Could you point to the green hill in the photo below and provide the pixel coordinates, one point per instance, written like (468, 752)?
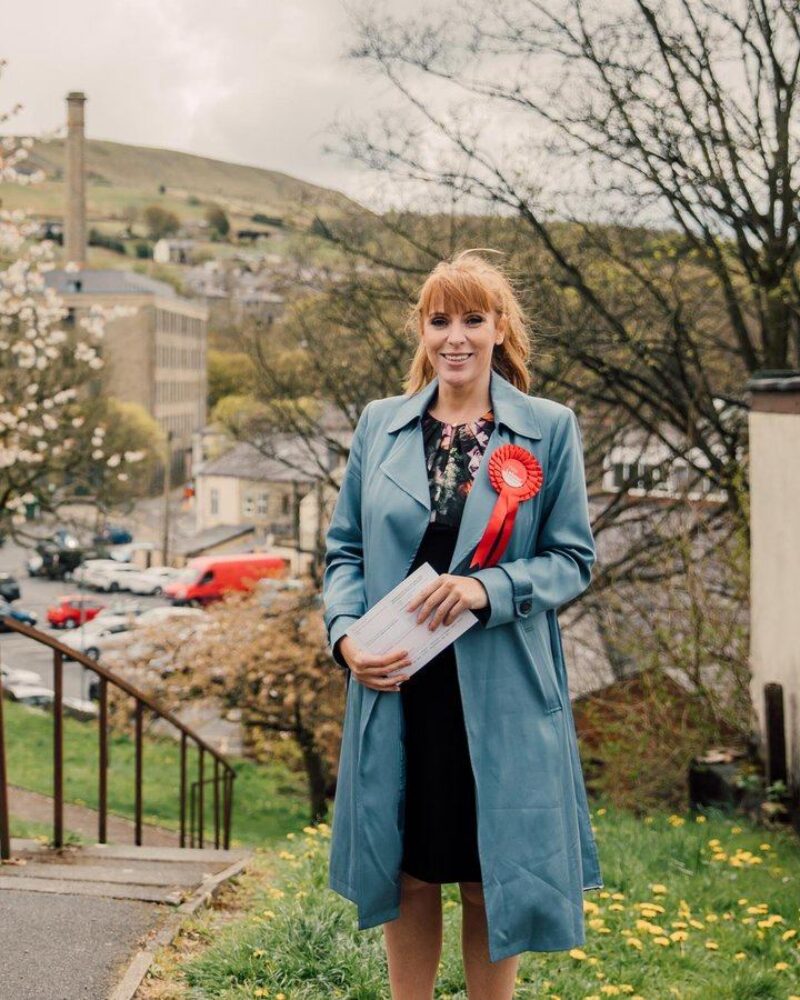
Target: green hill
(121, 177)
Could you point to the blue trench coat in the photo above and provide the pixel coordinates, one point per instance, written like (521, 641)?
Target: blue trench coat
(535, 840)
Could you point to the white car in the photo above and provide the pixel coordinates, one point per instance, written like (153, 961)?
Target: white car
(151, 581)
(30, 694)
(110, 578)
(12, 676)
(157, 616)
(84, 570)
(89, 641)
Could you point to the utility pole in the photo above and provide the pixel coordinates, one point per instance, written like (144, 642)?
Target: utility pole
(167, 484)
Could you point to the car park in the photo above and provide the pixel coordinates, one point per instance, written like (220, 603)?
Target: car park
(73, 610)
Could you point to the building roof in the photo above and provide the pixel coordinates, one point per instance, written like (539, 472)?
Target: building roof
(105, 281)
(197, 544)
(295, 461)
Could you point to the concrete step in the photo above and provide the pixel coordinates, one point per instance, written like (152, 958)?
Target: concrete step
(130, 852)
(125, 872)
(110, 890)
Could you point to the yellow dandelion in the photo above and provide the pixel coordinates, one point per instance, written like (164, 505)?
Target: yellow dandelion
(663, 941)
(617, 895)
(743, 901)
(290, 836)
(781, 966)
(258, 953)
(711, 917)
(648, 820)
(700, 819)
(589, 906)
(600, 812)
(634, 942)
(610, 990)
(736, 829)
(788, 935)
(679, 935)
(740, 956)
(697, 923)
(578, 953)
(658, 889)
(617, 907)
(712, 945)
(764, 847)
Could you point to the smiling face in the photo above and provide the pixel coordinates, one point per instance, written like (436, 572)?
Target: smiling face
(459, 343)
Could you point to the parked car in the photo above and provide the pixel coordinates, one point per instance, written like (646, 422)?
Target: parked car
(113, 534)
(9, 587)
(44, 697)
(80, 708)
(107, 574)
(56, 562)
(155, 616)
(18, 614)
(74, 610)
(209, 578)
(152, 581)
(29, 694)
(11, 675)
(82, 572)
(91, 643)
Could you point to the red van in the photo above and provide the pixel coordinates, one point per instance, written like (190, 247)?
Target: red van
(208, 578)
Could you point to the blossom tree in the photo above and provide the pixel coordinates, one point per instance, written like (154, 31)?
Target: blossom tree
(60, 438)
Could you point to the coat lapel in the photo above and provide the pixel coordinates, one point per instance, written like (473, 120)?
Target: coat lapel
(405, 464)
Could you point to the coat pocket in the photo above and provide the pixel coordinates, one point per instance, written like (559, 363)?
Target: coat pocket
(542, 653)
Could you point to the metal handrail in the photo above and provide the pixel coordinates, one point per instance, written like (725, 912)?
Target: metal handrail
(142, 701)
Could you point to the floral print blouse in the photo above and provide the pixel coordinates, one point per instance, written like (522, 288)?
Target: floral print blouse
(453, 453)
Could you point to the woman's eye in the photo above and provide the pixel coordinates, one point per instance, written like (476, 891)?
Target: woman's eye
(474, 320)
(438, 321)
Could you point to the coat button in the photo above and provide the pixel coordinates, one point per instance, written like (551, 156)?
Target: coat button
(525, 607)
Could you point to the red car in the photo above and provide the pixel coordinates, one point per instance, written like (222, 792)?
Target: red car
(73, 610)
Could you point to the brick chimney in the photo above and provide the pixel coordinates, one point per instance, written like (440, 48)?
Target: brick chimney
(75, 217)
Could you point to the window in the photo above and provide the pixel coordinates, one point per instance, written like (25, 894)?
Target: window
(286, 504)
(214, 497)
(263, 504)
(249, 505)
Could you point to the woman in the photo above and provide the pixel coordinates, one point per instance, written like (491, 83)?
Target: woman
(468, 770)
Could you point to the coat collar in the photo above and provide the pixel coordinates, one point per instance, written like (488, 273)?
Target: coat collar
(510, 406)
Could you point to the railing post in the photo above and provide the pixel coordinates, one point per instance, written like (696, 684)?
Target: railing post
(216, 803)
(183, 788)
(58, 749)
(200, 816)
(5, 830)
(103, 776)
(138, 791)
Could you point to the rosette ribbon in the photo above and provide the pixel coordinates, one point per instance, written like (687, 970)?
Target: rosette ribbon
(517, 476)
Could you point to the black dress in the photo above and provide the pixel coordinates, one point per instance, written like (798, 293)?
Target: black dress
(440, 834)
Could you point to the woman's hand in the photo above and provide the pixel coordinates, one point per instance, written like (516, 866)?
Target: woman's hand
(370, 669)
(447, 596)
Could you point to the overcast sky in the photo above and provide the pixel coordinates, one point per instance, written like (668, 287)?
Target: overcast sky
(250, 81)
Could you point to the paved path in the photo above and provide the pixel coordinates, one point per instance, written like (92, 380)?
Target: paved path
(83, 923)
(38, 808)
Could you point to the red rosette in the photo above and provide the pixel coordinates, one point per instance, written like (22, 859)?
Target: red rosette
(517, 476)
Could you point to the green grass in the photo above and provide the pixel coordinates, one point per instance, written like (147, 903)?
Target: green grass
(268, 802)
(674, 919)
